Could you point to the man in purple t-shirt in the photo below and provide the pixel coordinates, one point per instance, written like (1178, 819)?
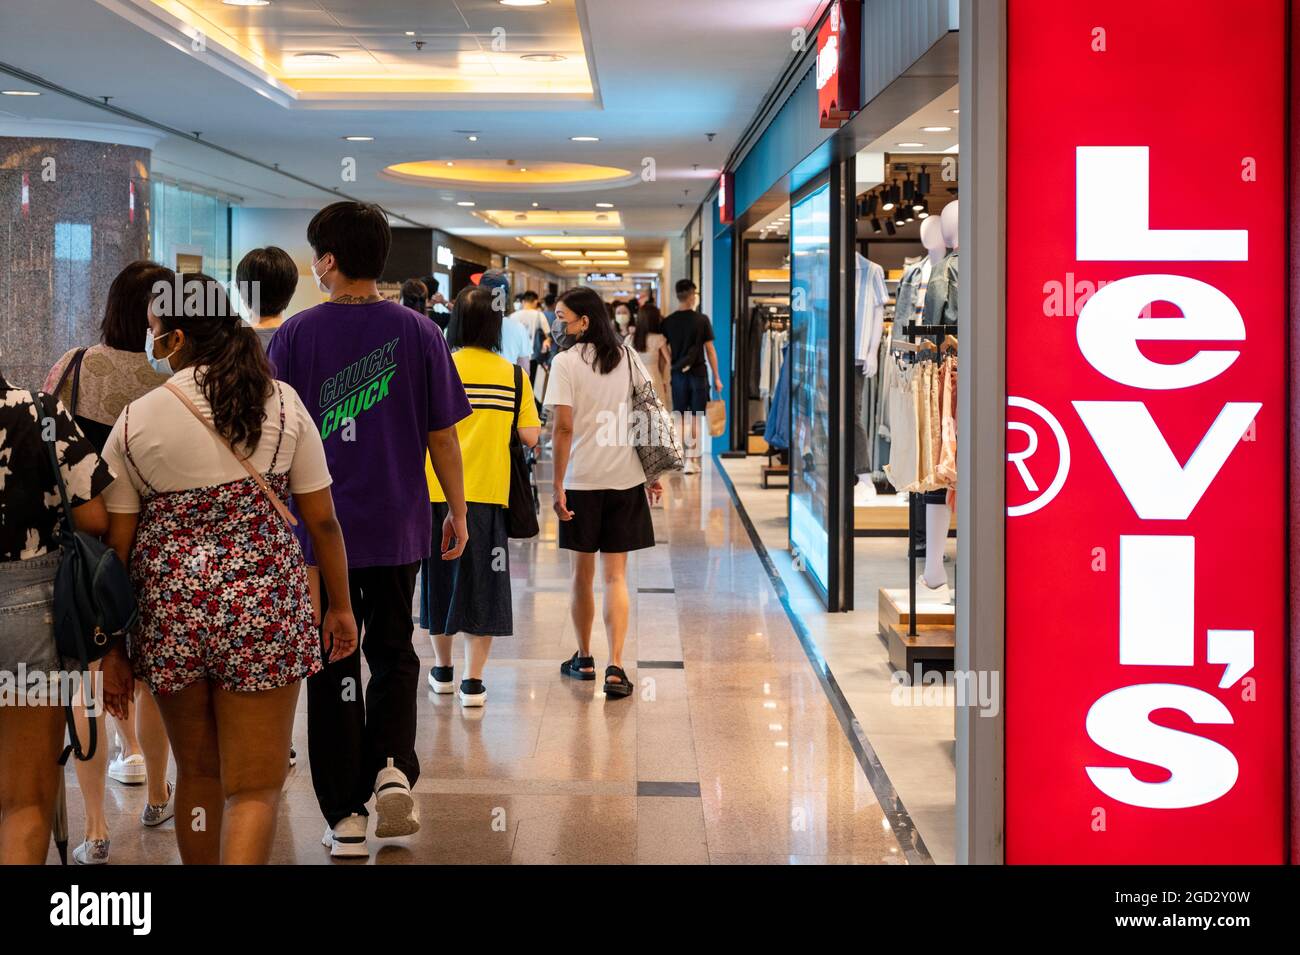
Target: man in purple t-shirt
(379, 382)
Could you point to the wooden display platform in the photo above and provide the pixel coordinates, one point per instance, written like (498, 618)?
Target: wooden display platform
(887, 520)
(770, 471)
(936, 629)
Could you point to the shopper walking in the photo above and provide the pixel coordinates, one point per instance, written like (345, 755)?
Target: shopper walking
(600, 493)
(95, 384)
(267, 279)
(690, 341)
(31, 737)
(226, 630)
(382, 389)
(652, 348)
(471, 595)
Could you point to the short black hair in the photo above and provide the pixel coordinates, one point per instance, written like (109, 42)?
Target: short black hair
(126, 313)
(475, 320)
(530, 296)
(549, 301)
(275, 275)
(684, 288)
(431, 284)
(356, 233)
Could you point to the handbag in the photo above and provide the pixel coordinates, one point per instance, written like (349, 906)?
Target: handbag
(94, 602)
(716, 410)
(651, 429)
(521, 512)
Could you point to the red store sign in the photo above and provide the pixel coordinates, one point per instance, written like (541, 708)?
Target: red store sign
(1146, 476)
(839, 64)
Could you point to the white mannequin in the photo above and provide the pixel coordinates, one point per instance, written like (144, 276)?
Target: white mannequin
(937, 234)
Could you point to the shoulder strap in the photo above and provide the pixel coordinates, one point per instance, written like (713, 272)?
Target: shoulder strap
(252, 471)
(48, 407)
(519, 396)
(73, 368)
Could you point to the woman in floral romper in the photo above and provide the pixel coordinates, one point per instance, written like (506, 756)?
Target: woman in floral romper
(226, 629)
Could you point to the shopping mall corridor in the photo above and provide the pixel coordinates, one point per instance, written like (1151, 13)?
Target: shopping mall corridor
(728, 752)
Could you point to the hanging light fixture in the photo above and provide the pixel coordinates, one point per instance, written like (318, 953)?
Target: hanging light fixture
(909, 188)
(923, 182)
(889, 226)
(890, 197)
(875, 226)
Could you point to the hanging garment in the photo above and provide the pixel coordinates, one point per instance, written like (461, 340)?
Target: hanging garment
(862, 435)
(777, 432)
(909, 304)
(869, 300)
(947, 466)
(941, 297)
(902, 466)
(922, 383)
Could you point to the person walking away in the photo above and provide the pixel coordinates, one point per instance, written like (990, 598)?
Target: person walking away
(690, 341)
(95, 384)
(268, 277)
(31, 519)
(225, 631)
(600, 493)
(651, 347)
(471, 595)
(381, 389)
(534, 322)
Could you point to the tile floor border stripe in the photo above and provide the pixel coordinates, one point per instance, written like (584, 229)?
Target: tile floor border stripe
(904, 830)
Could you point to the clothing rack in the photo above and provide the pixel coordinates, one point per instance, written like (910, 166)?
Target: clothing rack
(912, 333)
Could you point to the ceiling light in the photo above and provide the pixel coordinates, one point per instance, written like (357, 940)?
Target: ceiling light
(954, 111)
(410, 33)
(584, 139)
(450, 163)
(604, 205)
(544, 57)
(875, 226)
(523, 3)
(247, 3)
(536, 204)
(936, 129)
(466, 203)
(910, 145)
(472, 139)
(20, 92)
(315, 56)
(360, 139)
(523, 168)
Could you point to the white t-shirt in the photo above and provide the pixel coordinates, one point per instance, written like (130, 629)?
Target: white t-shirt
(176, 452)
(602, 457)
(533, 322)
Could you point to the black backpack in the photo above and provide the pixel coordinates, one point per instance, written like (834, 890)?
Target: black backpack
(521, 514)
(94, 603)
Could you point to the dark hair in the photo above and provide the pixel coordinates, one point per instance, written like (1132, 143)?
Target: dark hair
(414, 293)
(530, 297)
(230, 367)
(600, 333)
(648, 321)
(358, 235)
(275, 275)
(475, 320)
(684, 288)
(126, 313)
(549, 301)
(431, 285)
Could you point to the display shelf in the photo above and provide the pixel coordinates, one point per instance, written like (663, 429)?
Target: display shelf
(935, 639)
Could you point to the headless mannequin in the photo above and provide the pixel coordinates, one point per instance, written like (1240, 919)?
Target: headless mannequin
(935, 238)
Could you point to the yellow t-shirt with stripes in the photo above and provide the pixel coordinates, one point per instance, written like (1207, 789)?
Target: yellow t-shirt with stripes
(485, 434)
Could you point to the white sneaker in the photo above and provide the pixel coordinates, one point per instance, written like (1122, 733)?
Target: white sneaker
(472, 693)
(129, 771)
(394, 804)
(692, 466)
(441, 680)
(348, 838)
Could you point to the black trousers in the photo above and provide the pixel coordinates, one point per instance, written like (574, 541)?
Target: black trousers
(350, 737)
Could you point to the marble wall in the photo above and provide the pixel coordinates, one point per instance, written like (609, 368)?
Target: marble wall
(67, 227)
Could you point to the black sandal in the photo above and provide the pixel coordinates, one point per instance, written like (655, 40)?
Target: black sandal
(573, 667)
(620, 689)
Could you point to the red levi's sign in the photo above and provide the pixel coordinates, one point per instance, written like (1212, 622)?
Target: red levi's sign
(839, 64)
(1146, 355)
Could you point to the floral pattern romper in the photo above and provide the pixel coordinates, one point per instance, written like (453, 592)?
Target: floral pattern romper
(222, 587)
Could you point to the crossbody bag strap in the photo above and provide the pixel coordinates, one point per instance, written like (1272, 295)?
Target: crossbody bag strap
(47, 408)
(244, 462)
(73, 368)
(519, 397)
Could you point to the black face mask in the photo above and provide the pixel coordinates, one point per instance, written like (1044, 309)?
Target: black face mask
(560, 335)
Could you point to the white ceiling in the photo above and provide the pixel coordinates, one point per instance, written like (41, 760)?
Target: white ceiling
(667, 72)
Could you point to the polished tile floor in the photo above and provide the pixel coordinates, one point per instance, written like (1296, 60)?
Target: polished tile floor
(728, 752)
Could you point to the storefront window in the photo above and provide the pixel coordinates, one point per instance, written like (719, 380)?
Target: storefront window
(810, 440)
(191, 230)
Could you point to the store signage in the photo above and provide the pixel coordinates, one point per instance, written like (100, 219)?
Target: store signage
(839, 64)
(444, 257)
(604, 276)
(726, 199)
(1145, 602)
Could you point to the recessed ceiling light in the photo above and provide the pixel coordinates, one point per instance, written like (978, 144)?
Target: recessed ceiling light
(954, 110)
(410, 33)
(472, 139)
(450, 163)
(360, 139)
(910, 145)
(315, 56)
(536, 204)
(584, 139)
(20, 92)
(466, 203)
(936, 129)
(543, 57)
(604, 205)
(523, 3)
(247, 3)
(523, 168)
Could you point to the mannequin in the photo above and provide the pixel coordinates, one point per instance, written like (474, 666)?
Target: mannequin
(937, 234)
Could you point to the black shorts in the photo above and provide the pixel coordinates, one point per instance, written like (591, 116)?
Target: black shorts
(690, 393)
(472, 593)
(611, 522)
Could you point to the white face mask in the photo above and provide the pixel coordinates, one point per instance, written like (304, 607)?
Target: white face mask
(319, 277)
(161, 365)
(622, 318)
